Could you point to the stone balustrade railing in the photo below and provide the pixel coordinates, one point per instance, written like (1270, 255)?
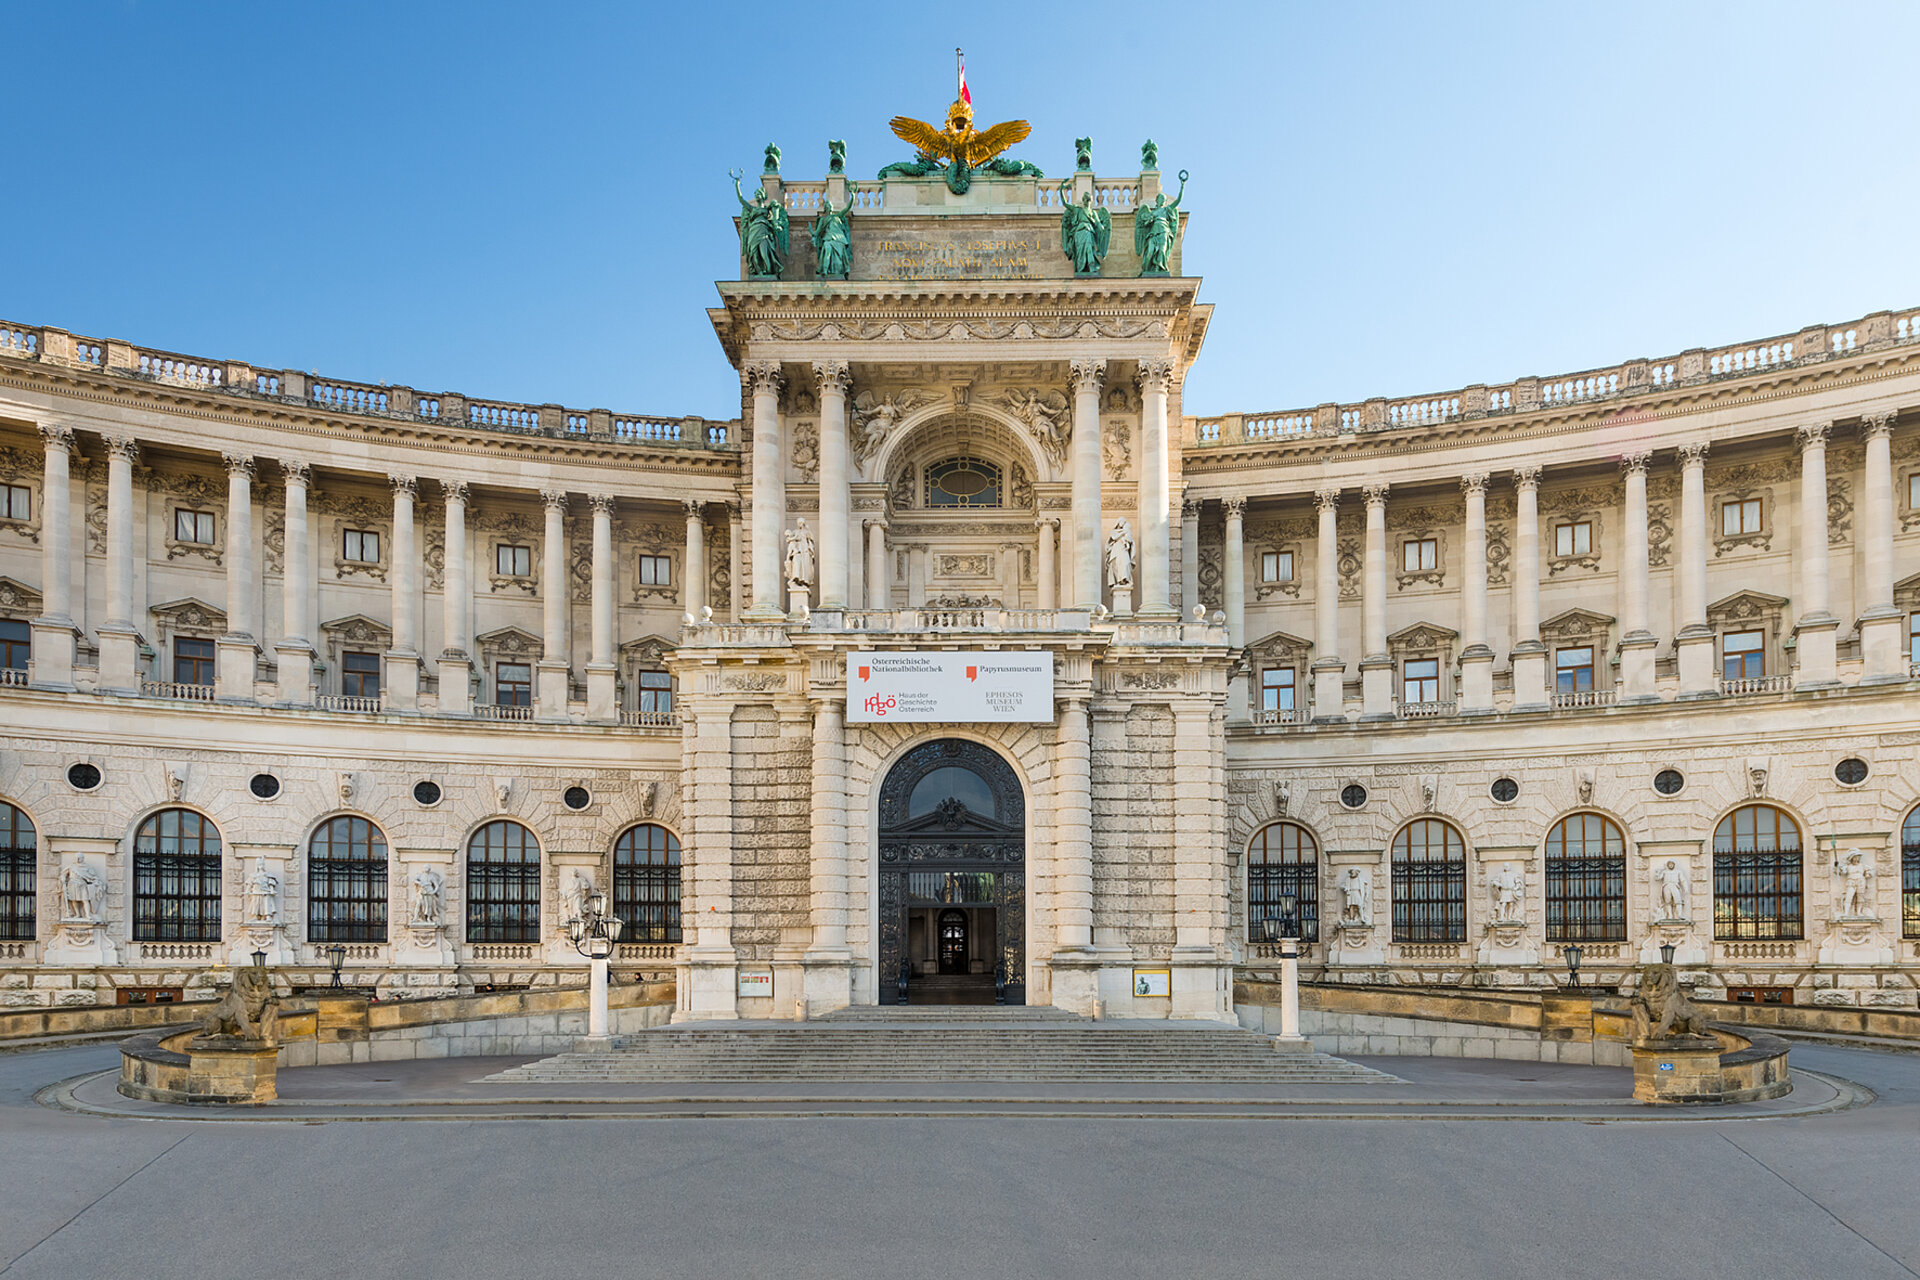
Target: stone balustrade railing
(47, 345)
(1811, 345)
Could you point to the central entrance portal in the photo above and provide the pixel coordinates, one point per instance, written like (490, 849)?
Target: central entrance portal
(952, 878)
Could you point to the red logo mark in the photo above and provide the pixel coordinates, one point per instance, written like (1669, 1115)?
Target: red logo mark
(866, 673)
(877, 705)
(973, 673)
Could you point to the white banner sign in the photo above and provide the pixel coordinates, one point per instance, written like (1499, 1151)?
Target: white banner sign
(918, 685)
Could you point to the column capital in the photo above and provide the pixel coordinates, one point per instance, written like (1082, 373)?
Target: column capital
(238, 464)
(57, 436)
(1474, 482)
(695, 508)
(1088, 375)
(296, 471)
(404, 486)
(1375, 493)
(123, 447)
(602, 504)
(1810, 435)
(1154, 375)
(1235, 507)
(455, 491)
(832, 374)
(764, 375)
(1189, 508)
(1327, 499)
(1878, 424)
(1694, 454)
(1526, 479)
(1635, 464)
(1040, 522)
(554, 499)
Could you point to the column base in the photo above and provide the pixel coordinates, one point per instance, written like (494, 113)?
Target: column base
(52, 640)
(1694, 648)
(1636, 670)
(400, 682)
(295, 661)
(1530, 676)
(1376, 688)
(603, 697)
(456, 683)
(709, 977)
(550, 700)
(1476, 681)
(1814, 641)
(1880, 635)
(827, 977)
(236, 663)
(120, 659)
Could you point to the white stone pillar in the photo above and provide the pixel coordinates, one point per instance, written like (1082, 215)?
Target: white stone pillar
(1088, 376)
(293, 654)
(828, 962)
(1376, 664)
(706, 987)
(1880, 630)
(833, 380)
(1189, 555)
(1637, 641)
(1476, 657)
(603, 698)
(1202, 982)
(1156, 593)
(1233, 571)
(1529, 656)
(1073, 825)
(879, 581)
(1045, 588)
(401, 689)
(1814, 634)
(1329, 669)
(1693, 643)
(456, 662)
(554, 668)
(769, 491)
(693, 581)
(736, 577)
(237, 650)
(120, 636)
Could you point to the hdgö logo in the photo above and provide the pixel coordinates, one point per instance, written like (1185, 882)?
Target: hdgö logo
(878, 705)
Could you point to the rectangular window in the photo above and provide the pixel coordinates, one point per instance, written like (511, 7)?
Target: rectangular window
(193, 526)
(1913, 492)
(1276, 689)
(1574, 539)
(360, 545)
(16, 644)
(513, 685)
(1421, 680)
(360, 675)
(656, 571)
(1741, 655)
(1738, 517)
(18, 504)
(513, 562)
(1276, 566)
(1913, 637)
(192, 661)
(1573, 670)
(1587, 899)
(656, 692)
(1417, 554)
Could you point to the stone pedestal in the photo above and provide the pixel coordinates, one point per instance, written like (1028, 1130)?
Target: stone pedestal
(1123, 602)
(80, 943)
(423, 944)
(456, 685)
(1329, 691)
(603, 698)
(1856, 941)
(401, 686)
(119, 659)
(1814, 644)
(232, 1070)
(1677, 1070)
(236, 660)
(550, 702)
(1636, 669)
(270, 938)
(1506, 945)
(1476, 681)
(1376, 688)
(827, 978)
(1567, 1015)
(295, 663)
(1688, 951)
(1529, 676)
(1356, 944)
(709, 976)
(1202, 985)
(1694, 647)
(52, 641)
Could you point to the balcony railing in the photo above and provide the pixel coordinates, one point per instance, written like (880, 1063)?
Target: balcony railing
(1422, 710)
(13, 676)
(981, 619)
(1754, 685)
(491, 711)
(650, 719)
(349, 702)
(180, 692)
(1280, 715)
(1584, 698)
(650, 951)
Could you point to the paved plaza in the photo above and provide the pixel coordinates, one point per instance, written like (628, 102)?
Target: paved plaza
(1544, 1177)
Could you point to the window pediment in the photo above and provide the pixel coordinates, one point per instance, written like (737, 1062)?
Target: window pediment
(360, 630)
(18, 600)
(510, 644)
(1748, 607)
(1280, 647)
(1576, 626)
(191, 617)
(1423, 637)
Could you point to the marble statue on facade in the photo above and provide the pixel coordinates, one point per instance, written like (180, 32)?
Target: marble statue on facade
(83, 893)
(1853, 886)
(799, 560)
(832, 237)
(429, 897)
(260, 904)
(1085, 231)
(1671, 882)
(1155, 229)
(1509, 888)
(1356, 897)
(1120, 554)
(1045, 415)
(573, 897)
(764, 233)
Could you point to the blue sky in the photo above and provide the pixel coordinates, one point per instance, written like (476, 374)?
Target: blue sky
(531, 202)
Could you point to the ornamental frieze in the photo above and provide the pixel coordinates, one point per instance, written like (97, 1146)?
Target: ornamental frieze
(962, 330)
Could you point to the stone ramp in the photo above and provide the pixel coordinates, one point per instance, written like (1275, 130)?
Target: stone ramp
(947, 1045)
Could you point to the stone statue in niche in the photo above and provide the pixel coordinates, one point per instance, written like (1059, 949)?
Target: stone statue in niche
(83, 893)
(1282, 792)
(1356, 897)
(1155, 228)
(573, 898)
(1853, 886)
(1120, 554)
(1671, 881)
(764, 235)
(1509, 888)
(799, 556)
(429, 898)
(260, 904)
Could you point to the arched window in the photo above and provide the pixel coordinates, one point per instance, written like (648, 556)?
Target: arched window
(176, 878)
(1756, 875)
(1910, 876)
(17, 864)
(1283, 861)
(646, 884)
(503, 884)
(347, 882)
(1429, 883)
(963, 482)
(1586, 880)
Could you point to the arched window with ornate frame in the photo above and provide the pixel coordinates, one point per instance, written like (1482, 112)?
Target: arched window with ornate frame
(964, 481)
(503, 884)
(646, 883)
(347, 881)
(19, 858)
(1586, 861)
(1283, 860)
(1757, 875)
(1429, 882)
(1910, 876)
(176, 878)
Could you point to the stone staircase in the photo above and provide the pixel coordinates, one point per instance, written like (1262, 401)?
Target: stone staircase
(944, 1044)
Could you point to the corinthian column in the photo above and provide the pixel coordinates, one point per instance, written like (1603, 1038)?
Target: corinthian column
(1476, 658)
(1329, 669)
(1637, 641)
(693, 582)
(833, 379)
(402, 686)
(769, 490)
(294, 652)
(237, 651)
(456, 666)
(1234, 592)
(1814, 633)
(1529, 655)
(1156, 593)
(120, 637)
(1189, 555)
(53, 631)
(554, 667)
(1088, 376)
(1376, 664)
(602, 697)
(1044, 580)
(1879, 619)
(1693, 644)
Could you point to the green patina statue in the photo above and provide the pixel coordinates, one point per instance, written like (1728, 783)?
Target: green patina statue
(836, 156)
(1085, 231)
(1155, 228)
(1083, 154)
(763, 232)
(1150, 155)
(773, 159)
(832, 236)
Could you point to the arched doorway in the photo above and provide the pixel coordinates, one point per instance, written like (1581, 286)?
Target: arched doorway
(952, 877)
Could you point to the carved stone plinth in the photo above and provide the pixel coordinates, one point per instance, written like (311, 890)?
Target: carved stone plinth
(80, 943)
(1356, 944)
(1856, 940)
(1506, 943)
(1688, 951)
(270, 938)
(1677, 1069)
(232, 1070)
(1123, 602)
(423, 944)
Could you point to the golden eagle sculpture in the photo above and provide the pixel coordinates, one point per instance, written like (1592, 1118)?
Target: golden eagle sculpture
(957, 150)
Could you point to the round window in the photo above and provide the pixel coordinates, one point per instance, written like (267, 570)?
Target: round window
(577, 798)
(83, 777)
(1851, 772)
(426, 793)
(1353, 795)
(264, 785)
(1504, 790)
(1668, 782)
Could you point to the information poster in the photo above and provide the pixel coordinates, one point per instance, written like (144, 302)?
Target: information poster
(916, 686)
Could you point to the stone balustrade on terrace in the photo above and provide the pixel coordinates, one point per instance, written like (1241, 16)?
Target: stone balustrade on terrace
(982, 622)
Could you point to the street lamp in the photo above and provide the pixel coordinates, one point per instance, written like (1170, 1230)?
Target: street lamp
(259, 959)
(1666, 953)
(1573, 954)
(336, 956)
(1284, 928)
(595, 934)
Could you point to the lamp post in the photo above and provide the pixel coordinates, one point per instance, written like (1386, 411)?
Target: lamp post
(1573, 954)
(336, 956)
(594, 934)
(1284, 929)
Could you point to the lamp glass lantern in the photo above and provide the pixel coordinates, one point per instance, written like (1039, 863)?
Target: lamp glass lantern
(260, 959)
(337, 956)
(1666, 953)
(1573, 954)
